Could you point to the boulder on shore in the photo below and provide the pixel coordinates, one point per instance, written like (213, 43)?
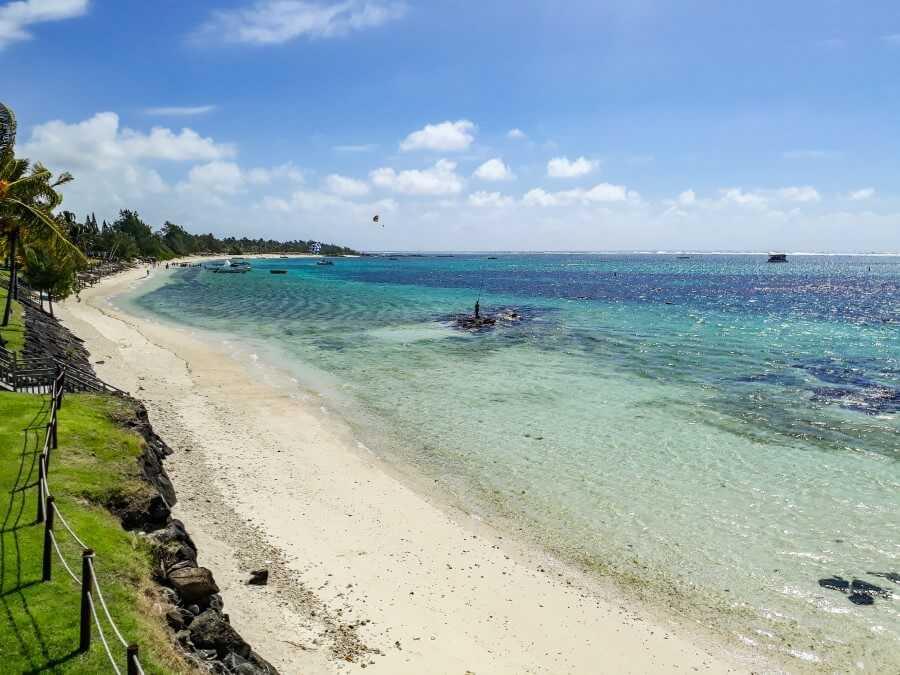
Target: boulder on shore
(193, 584)
(210, 630)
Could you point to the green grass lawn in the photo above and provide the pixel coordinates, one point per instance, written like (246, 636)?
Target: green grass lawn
(14, 333)
(95, 461)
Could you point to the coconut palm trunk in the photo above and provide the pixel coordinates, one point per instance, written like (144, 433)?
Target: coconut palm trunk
(12, 287)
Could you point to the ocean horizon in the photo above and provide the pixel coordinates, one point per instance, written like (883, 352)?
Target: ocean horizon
(717, 434)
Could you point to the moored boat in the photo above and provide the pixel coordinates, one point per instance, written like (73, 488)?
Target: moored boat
(778, 258)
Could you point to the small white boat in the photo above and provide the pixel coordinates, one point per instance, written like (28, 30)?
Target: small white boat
(233, 266)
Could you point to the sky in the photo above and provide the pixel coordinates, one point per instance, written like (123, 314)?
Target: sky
(471, 125)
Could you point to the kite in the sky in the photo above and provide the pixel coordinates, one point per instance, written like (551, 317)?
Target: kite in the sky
(376, 220)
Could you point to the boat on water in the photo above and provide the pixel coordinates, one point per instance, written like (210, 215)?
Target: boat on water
(277, 271)
(324, 262)
(778, 258)
(233, 266)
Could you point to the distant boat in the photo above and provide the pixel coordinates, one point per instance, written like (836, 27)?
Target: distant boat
(233, 266)
(277, 271)
(283, 256)
(324, 262)
(778, 258)
(684, 257)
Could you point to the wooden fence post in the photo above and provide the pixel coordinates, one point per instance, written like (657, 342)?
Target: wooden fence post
(87, 587)
(131, 656)
(42, 474)
(48, 538)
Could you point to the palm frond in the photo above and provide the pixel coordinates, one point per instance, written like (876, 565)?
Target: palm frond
(48, 221)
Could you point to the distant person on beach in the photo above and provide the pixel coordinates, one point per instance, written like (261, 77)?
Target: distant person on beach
(477, 309)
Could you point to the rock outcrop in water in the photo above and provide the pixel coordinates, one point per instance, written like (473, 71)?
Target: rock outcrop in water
(471, 322)
(860, 592)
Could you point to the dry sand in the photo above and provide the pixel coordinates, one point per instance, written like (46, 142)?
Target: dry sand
(365, 570)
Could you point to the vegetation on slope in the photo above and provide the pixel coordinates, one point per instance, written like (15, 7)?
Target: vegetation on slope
(12, 336)
(94, 465)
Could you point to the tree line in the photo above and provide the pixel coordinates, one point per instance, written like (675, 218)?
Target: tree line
(128, 238)
(48, 249)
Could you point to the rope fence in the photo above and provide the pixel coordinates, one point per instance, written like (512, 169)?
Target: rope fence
(48, 513)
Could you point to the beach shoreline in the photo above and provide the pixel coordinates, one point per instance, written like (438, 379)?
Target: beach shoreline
(270, 479)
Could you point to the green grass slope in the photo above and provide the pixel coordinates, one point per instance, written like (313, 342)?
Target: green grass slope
(13, 334)
(94, 463)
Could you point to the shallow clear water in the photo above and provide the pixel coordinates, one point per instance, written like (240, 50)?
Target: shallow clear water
(717, 432)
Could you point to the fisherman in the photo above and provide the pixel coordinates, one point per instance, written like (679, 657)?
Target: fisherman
(477, 309)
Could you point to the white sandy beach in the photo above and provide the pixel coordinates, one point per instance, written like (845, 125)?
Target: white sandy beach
(365, 570)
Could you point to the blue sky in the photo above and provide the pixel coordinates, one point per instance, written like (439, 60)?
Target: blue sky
(641, 125)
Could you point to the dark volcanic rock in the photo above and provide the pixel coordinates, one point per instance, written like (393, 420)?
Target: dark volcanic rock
(259, 578)
(193, 583)
(890, 576)
(178, 618)
(173, 545)
(211, 631)
(860, 586)
(145, 511)
(835, 584)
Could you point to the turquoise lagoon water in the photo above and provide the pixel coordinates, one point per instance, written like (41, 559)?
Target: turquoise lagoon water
(716, 432)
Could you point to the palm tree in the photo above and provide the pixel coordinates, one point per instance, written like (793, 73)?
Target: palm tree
(27, 200)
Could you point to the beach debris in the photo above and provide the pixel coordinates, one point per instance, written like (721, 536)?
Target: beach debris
(258, 577)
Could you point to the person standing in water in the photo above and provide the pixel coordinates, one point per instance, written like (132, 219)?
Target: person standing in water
(477, 309)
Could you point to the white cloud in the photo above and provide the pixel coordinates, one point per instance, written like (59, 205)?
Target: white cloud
(446, 136)
(562, 167)
(482, 199)
(494, 170)
(16, 17)
(99, 142)
(516, 134)
(600, 193)
(803, 193)
(441, 179)
(742, 198)
(862, 194)
(687, 198)
(366, 147)
(268, 22)
(178, 111)
(229, 178)
(225, 177)
(346, 187)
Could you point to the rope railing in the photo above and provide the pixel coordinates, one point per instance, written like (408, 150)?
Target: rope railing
(48, 513)
(102, 637)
